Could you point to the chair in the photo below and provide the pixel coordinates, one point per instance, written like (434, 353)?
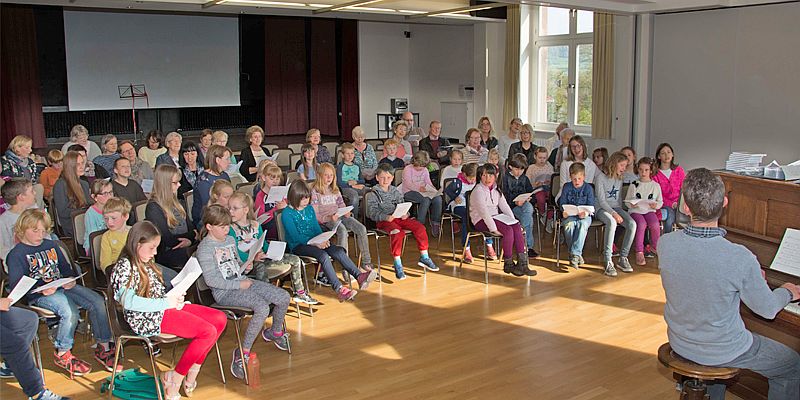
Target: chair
(78, 231)
(123, 332)
(295, 147)
(681, 220)
(270, 147)
(331, 146)
(292, 176)
(557, 216)
(375, 143)
(36, 351)
(283, 158)
(398, 177)
(692, 388)
(236, 179)
(471, 232)
(246, 188)
(294, 159)
(447, 214)
(189, 198)
(139, 209)
(51, 209)
(98, 274)
(377, 232)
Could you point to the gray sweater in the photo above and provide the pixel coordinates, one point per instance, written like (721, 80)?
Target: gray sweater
(220, 264)
(607, 193)
(382, 205)
(705, 279)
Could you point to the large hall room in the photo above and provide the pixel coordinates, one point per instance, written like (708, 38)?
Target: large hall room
(441, 199)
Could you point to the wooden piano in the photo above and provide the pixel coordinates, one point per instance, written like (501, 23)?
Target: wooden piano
(759, 211)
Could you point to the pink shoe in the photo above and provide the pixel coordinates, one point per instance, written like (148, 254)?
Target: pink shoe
(346, 293)
(640, 258)
(490, 253)
(468, 256)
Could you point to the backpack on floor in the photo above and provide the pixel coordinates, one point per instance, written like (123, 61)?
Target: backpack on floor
(132, 384)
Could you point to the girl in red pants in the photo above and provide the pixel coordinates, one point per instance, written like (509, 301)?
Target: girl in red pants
(139, 288)
(380, 208)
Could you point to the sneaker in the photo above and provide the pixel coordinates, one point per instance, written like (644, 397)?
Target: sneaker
(574, 262)
(322, 280)
(5, 371)
(427, 263)
(610, 270)
(490, 253)
(106, 358)
(346, 293)
(532, 253)
(640, 258)
(436, 230)
(304, 297)
(398, 272)
(48, 395)
(156, 350)
(581, 261)
(74, 365)
(52, 332)
(649, 252)
(614, 250)
(468, 256)
(365, 278)
(280, 341)
(237, 366)
(549, 227)
(624, 265)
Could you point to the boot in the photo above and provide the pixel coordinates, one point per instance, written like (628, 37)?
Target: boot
(509, 267)
(522, 265)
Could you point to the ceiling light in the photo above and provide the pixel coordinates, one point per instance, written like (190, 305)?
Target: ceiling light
(343, 6)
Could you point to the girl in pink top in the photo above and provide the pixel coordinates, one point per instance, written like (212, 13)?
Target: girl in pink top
(486, 201)
(418, 189)
(670, 178)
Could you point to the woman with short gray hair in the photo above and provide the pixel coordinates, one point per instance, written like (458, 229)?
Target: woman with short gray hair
(80, 135)
(172, 156)
(110, 154)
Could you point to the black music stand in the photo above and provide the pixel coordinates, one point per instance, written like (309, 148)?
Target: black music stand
(133, 92)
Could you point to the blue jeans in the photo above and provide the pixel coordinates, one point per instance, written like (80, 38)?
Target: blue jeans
(670, 220)
(575, 229)
(461, 211)
(425, 204)
(524, 214)
(326, 257)
(611, 228)
(65, 304)
(18, 328)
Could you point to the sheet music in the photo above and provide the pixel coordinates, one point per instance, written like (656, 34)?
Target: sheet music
(262, 218)
(276, 250)
(276, 194)
(324, 236)
(254, 249)
(234, 168)
(524, 197)
(57, 283)
(147, 185)
(788, 257)
(401, 209)
(184, 280)
(344, 210)
(505, 219)
(574, 210)
(23, 286)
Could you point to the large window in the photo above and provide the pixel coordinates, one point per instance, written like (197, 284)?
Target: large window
(556, 67)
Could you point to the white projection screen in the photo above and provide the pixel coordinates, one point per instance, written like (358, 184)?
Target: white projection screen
(183, 61)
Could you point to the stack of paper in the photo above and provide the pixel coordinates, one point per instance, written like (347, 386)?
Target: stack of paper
(743, 161)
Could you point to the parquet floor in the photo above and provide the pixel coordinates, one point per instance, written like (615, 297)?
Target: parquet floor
(560, 335)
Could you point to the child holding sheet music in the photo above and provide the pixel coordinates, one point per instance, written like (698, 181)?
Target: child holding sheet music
(418, 189)
(139, 287)
(224, 273)
(540, 173)
(349, 178)
(246, 232)
(608, 195)
(517, 184)
(300, 223)
(42, 259)
(643, 201)
(269, 176)
(327, 200)
(486, 203)
(577, 193)
(381, 208)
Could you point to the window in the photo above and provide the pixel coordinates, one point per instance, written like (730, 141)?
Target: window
(556, 67)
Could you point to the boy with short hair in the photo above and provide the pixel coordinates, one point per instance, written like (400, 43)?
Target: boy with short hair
(577, 193)
(19, 194)
(706, 278)
(124, 186)
(48, 178)
(349, 178)
(115, 214)
(390, 145)
(42, 259)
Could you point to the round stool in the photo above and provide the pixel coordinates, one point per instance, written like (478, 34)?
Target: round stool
(695, 388)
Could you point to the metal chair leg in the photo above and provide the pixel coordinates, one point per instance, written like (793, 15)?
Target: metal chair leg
(236, 328)
(38, 353)
(156, 373)
(485, 263)
(221, 369)
(288, 341)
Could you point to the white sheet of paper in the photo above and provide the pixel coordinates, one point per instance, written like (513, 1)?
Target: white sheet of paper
(344, 210)
(190, 272)
(147, 185)
(505, 219)
(262, 218)
(788, 257)
(641, 203)
(23, 286)
(57, 283)
(276, 250)
(523, 197)
(324, 236)
(273, 157)
(574, 210)
(276, 194)
(234, 168)
(401, 209)
(255, 248)
(791, 172)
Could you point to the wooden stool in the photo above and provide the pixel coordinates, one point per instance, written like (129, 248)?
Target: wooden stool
(693, 389)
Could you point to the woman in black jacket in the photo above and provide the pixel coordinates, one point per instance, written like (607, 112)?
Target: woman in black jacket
(166, 212)
(253, 154)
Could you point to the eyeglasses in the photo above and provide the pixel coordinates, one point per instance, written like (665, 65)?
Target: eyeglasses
(108, 193)
(232, 208)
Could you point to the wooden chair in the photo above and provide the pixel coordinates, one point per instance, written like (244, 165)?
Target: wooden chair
(331, 146)
(283, 158)
(292, 176)
(695, 388)
(295, 147)
(78, 231)
(471, 232)
(94, 253)
(139, 209)
(246, 188)
(270, 147)
(398, 177)
(237, 179)
(123, 332)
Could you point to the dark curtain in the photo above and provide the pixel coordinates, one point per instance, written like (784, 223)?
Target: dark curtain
(20, 92)
(286, 86)
(323, 84)
(348, 78)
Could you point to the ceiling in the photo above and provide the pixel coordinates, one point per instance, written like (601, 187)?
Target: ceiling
(449, 11)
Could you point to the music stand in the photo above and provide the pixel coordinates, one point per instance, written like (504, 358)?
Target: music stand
(133, 92)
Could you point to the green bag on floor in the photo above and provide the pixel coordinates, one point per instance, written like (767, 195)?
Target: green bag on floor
(132, 384)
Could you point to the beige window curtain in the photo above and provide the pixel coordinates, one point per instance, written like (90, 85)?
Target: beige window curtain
(602, 75)
(511, 88)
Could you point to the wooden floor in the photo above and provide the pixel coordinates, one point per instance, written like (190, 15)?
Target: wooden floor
(561, 335)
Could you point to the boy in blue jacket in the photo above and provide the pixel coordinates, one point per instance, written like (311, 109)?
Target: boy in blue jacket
(577, 193)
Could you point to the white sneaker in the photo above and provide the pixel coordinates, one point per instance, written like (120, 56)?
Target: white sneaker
(549, 226)
(610, 270)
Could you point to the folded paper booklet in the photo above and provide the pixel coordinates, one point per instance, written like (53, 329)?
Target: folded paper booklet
(324, 236)
(505, 219)
(524, 196)
(184, 280)
(401, 209)
(254, 249)
(276, 250)
(641, 203)
(273, 157)
(147, 185)
(234, 168)
(57, 283)
(574, 210)
(276, 194)
(344, 210)
(430, 192)
(23, 286)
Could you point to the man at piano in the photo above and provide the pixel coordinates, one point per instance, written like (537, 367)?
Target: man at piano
(705, 278)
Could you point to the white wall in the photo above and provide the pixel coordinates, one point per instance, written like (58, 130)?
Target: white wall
(441, 59)
(383, 71)
(726, 80)
(489, 71)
